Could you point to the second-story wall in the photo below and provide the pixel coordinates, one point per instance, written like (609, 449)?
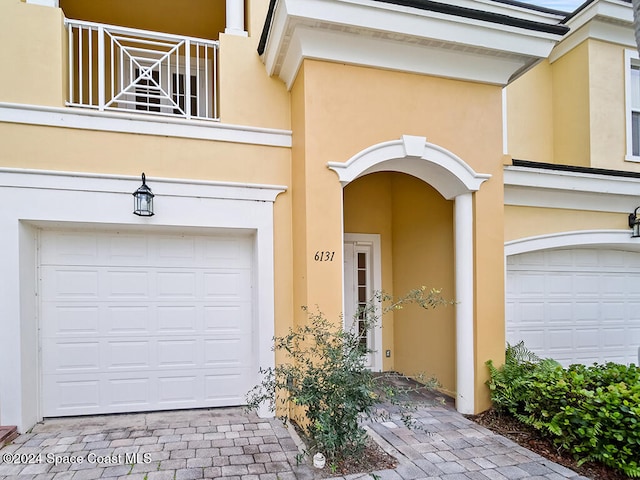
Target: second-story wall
(33, 54)
(571, 109)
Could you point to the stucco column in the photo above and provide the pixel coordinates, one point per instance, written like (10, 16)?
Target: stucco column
(465, 402)
(235, 18)
(46, 3)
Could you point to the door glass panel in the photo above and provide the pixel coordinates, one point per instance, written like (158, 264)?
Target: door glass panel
(363, 294)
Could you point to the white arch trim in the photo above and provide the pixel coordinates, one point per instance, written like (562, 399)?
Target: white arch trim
(611, 238)
(443, 170)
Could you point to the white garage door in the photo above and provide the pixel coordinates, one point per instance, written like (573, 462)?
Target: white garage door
(575, 305)
(135, 322)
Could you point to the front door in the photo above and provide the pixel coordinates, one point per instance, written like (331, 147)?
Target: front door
(362, 278)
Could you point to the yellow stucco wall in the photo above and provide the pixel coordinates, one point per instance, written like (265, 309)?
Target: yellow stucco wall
(347, 109)
(368, 209)
(571, 116)
(524, 222)
(34, 42)
(530, 126)
(607, 99)
(247, 95)
(424, 341)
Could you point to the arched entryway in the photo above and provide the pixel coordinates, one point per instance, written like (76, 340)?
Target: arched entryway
(434, 178)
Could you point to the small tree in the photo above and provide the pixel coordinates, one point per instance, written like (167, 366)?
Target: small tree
(327, 379)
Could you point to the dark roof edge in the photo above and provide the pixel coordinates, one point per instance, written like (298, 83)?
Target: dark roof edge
(464, 12)
(267, 26)
(578, 10)
(470, 13)
(575, 169)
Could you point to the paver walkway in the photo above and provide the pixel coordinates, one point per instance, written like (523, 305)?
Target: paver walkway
(447, 446)
(229, 443)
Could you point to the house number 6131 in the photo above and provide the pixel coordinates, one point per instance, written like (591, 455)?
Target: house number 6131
(324, 256)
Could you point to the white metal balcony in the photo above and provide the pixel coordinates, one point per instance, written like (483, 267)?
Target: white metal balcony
(129, 70)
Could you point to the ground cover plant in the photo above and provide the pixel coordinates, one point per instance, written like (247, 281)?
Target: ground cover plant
(325, 386)
(593, 412)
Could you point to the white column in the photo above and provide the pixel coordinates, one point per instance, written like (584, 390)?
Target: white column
(465, 385)
(235, 18)
(46, 3)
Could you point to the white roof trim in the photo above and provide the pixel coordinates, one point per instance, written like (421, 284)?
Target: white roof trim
(385, 35)
(606, 20)
(531, 187)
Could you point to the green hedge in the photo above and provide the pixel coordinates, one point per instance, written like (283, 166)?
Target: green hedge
(593, 412)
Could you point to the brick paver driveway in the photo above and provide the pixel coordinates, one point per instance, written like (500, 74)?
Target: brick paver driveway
(177, 445)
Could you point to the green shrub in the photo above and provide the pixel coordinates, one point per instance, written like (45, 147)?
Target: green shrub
(326, 377)
(593, 412)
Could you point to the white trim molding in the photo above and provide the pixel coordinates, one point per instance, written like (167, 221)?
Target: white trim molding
(536, 187)
(578, 238)
(606, 20)
(631, 60)
(438, 167)
(85, 119)
(63, 200)
(235, 18)
(465, 331)
(372, 240)
(396, 37)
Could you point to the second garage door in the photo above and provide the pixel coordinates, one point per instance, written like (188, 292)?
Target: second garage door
(579, 305)
(139, 322)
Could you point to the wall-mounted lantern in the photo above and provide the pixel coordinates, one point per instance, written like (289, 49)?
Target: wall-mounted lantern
(634, 223)
(143, 200)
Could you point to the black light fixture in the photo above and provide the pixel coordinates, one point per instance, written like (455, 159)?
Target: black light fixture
(634, 223)
(143, 200)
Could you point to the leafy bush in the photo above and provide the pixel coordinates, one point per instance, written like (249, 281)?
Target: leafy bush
(593, 412)
(326, 377)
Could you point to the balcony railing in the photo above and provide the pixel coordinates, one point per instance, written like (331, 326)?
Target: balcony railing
(130, 70)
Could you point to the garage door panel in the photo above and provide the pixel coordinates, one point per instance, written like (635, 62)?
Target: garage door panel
(225, 285)
(177, 319)
(226, 352)
(70, 283)
(128, 354)
(70, 320)
(612, 310)
(558, 285)
(127, 319)
(559, 310)
(590, 321)
(586, 284)
(145, 322)
(225, 318)
(224, 387)
(71, 356)
(588, 339)
(128, 393)
(587, 312)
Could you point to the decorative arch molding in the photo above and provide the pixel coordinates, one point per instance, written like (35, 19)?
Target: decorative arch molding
(580, 238)
(447, 173)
